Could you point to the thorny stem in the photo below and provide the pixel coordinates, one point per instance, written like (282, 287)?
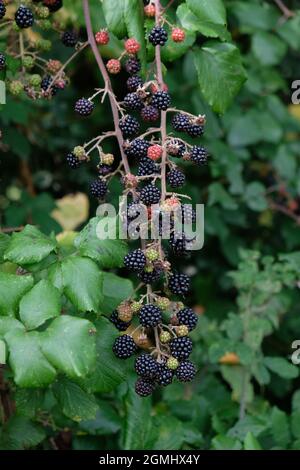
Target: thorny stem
(285, 10)
(108, 86)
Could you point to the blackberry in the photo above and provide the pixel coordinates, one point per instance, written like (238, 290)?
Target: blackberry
(129, 126)
(137, 148)
(188, 214)
(73, 161)
(194, 130)
(104, 169)
(144, 387)
(133, 210)
(179, 284)
(181, 347)
(199, 155)
(2, 61)
(135, 260)
(146, 366)
(150, 194)
(176, 178)
(161, 100)
(84, 107)
(45, 84)
(158, 36)
(180, 122)
(134, 82)
(98, 188)
(149, 114)
(69, 39)
(2, 10)
(53, 5)
(133, 101)
(187, 317)
(186, 371)
(150, 315)
(147, 167)
(24, 17)
(132, 65)
(164, 376)
(124, 347)
(119, 324)
(150, 278)
(178, 244)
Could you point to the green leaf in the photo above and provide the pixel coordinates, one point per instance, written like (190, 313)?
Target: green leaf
(8, 323)
(219, 195)
(69, 344)
(280, 427)
(29, 246)
(171, 433)
(39, 304)
(295, 423)
(210, 16)
(81, 281)
(109, 373)
(134, 21)
(253, 16)
(226, 443)
(4, 242)
(255, 126)
(240, 384)
(251, 443)
(28, 401)
(114, 16)
(220, 73)
(25, 433)
(267, 48)
(281, 367)
(255, 196)
(30, 366)
(12, 288)
(2, 352)
(108, 253)
(174, 50)
(74, 402)
(107, 421)
(290, 31)
(115, 290)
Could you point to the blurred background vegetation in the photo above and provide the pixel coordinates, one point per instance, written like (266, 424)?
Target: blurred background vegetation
(251, 192)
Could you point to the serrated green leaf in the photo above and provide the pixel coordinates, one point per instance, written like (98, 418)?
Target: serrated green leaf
(281, 367)
(107, 421)
(255, 196)
(39, 304)
(174, 50)
(28, 401)
(75, 402)
(12, 288)
(115, 290)
(114, 16)
(280, 427)
(69, 345)
(29, 246)
(24, 433)
(211, 17)
(251, 443)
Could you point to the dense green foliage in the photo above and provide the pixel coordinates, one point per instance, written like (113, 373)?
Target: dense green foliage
(62, 388)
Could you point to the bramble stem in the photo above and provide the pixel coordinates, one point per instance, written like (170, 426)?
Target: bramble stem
(285, 10)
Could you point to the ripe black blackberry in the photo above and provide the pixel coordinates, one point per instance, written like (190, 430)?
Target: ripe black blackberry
(133, 101)
(147, 167)
(180, 122)
(187, 316)
(144, 387)
(98, 188)
(119, 324)
(146, 366)
(181, 347)
(150, 194)
(194, 130)
(135, 260)
(137, 148)
(158, 36)
(53, 5)
(69, 38)
(104, 169)
(149, 114)
(2, 61)
(164, 376)
(132, 65)
(134, 82)
(2, 10)
(73, 161)
(133, 210)
(129, 126)
(176, 178)
(188, 214)
(186, 371)
(150, 277)
(84, 107)
(150, 315)
(199, 155)
(124, 347)
(179, 284)
(45, 84)
(161, 100)
(178, 243)
(24, 17)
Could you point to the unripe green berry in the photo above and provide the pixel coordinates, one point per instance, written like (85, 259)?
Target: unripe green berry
(35, 80)
(45, 25)
(149, 269)
(16, 87)
(172, 363)
(43, 44)
(136, 307)
(182, 330)
(42, 12)
(28, 62)
(165, 337)
(79, 151)
(151, 254)
(163, 303)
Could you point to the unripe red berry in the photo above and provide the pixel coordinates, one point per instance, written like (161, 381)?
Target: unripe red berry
(178, 35)
(113, 66)
(132, 46)
(154, 152)
(102, 37)
(150, 10)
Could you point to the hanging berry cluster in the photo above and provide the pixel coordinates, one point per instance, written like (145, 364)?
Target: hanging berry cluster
(25, 70)
(151, 322)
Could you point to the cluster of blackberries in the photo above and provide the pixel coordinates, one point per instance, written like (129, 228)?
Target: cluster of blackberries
(185, 123)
